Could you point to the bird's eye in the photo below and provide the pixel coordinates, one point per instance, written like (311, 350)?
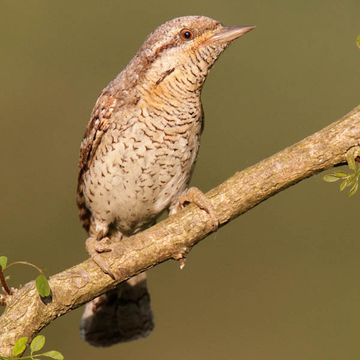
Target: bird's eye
(186, 34)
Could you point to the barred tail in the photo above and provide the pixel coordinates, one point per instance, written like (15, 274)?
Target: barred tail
(122, 314)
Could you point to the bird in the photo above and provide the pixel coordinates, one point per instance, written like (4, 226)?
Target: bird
(137, 157)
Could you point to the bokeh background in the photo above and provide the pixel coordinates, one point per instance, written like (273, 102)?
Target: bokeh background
(280, 282)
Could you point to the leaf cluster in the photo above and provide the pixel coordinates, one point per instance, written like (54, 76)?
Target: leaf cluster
(36, 345)
(349, 179)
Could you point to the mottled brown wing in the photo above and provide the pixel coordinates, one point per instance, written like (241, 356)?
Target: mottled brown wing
(98, 125)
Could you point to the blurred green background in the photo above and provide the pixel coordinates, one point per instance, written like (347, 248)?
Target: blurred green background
(280, 282)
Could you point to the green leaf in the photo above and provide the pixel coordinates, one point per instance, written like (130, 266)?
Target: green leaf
(343, 185)
(3, 262)
(20, 346)
(42, 286)
(330, 178)
(340, 174)
(351, 163)
(352, 181)
(54, 355)
(358, 41)
(38, 343)
(354, 189)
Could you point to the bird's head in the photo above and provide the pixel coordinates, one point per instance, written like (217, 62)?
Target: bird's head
(186, 47)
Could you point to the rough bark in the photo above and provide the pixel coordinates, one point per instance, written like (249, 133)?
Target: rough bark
(26, 314)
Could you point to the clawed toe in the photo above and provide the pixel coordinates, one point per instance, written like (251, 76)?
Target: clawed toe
(103, 245)
(97, 247)
(196, 196)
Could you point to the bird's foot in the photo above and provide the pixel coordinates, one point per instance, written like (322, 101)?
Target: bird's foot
(95, 248)
(197, 197)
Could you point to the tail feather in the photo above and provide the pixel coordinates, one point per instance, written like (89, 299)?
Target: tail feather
(122, 314)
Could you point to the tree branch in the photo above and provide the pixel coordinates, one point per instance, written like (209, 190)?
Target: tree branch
(26, 314)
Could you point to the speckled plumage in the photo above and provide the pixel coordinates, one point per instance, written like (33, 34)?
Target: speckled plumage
(143, 137)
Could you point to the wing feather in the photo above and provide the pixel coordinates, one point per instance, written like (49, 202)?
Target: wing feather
(99, 123)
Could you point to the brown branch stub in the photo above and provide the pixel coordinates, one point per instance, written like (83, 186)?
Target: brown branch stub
(25, 314)
(353, 153)
(2, 300)
(3, 282)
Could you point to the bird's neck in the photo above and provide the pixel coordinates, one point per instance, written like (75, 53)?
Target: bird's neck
(163, 85)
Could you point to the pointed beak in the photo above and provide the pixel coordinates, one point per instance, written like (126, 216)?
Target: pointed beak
(230, 33)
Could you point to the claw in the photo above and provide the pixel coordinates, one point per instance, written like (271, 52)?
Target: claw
(95, 248)
(196, 196)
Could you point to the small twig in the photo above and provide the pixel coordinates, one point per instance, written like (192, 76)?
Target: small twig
(26, 263)
(4, 283)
